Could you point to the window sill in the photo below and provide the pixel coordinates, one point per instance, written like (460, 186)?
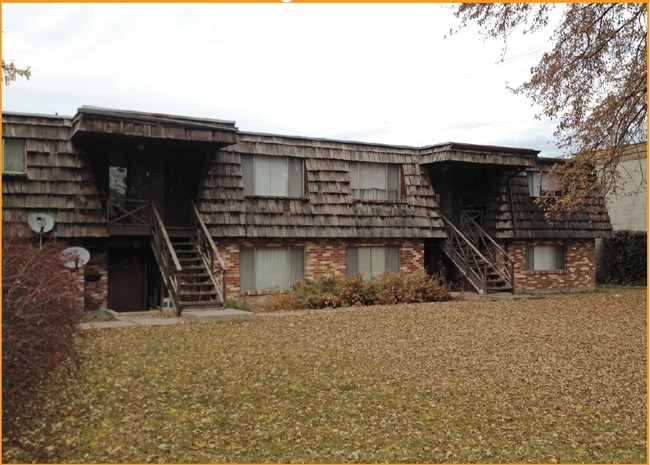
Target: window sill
(15, 175)
(274, 197)
(254, 292)
(544, 272)
(391, 202)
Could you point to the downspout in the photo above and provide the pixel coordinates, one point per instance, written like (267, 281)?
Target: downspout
(514, 222)
(512, 205)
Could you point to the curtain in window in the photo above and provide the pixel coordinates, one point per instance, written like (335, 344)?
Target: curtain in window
(272, 176)
(13, 156)
(372, 261)
(270, 268)
(545, 258)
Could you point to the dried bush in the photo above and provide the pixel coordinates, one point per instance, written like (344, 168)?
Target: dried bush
(387, 289)
(40, 319)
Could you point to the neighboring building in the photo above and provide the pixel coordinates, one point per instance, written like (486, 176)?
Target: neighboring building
(627, 207)
(628, 210)
(195, 209)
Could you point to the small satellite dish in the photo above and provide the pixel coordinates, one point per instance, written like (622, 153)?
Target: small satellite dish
(40, 222)
(75, 257)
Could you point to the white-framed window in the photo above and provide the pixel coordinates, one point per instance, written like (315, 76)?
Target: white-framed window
(271, 267)
(371, 261)
(272, 176)
(375, 181)
(545, 257)
(14, 156)
(544, 185)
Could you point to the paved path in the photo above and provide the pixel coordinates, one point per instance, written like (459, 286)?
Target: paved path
(122, 320)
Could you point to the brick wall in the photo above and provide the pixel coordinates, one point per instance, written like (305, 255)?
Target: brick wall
(95, 289)
(324, 257)
(579, 266)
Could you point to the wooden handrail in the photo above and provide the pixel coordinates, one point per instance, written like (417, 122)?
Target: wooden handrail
(123, 213)
(486, 236)
(160, 227)
(203, 229)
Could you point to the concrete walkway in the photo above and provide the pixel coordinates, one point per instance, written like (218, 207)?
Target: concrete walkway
(157, 318)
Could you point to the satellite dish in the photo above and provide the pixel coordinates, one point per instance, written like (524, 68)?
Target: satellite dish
(40, 222)
(75, 257)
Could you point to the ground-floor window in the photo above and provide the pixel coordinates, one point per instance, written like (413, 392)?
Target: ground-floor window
(270, 268)
(545, 257)
(371, 261)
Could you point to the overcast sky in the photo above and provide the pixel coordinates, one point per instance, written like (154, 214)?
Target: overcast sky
(367, 72)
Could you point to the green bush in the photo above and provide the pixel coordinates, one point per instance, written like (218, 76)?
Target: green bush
(387, 289)
(624, 259)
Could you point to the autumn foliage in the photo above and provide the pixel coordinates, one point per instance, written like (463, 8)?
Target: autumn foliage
(40, 319)
(387, 289)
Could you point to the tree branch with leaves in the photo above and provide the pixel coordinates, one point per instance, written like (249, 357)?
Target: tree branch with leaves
(592, 81)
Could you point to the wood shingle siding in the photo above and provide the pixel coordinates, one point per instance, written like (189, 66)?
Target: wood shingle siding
(529, 221)
(328, 210)
(58, 179)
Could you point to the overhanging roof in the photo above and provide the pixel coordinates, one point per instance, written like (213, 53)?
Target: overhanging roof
(480, 154)
(96, 120)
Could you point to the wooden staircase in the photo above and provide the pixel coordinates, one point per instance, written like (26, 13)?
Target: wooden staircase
(191, 267)
(197, 286)
(486, 266)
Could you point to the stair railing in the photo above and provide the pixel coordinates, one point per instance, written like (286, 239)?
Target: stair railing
(210, 254)
(467, 258)
(165, 255)
(503, 263)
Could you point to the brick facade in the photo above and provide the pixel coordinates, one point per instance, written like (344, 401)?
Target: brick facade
(579, 266)
(95, 285)
(324, 257)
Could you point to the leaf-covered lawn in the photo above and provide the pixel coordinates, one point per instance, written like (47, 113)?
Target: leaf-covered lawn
(562, 379)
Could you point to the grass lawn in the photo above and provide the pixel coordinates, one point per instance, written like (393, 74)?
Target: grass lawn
(562, 379)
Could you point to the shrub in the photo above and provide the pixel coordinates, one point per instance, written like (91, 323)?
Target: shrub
(624, 259)
(282, 301)
(387, 289)
(40, 319)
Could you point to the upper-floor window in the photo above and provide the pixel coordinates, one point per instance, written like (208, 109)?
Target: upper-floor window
(13, 156)
(272, 176)
(375, 181)
(544, 185)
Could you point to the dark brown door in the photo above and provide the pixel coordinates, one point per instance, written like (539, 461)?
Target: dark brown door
(182, 178)
(126, 279)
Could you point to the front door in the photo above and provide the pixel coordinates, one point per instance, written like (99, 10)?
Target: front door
(126, 283)
(182, 180)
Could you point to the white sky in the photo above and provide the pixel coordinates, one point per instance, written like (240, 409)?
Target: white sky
(368, 72)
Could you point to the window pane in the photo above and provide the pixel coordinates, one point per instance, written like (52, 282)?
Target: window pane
(262, 181)
(279, 177)
(297, 265)
(364, 262)
(247, 174)
(392, 259)
(295, 177)
(13, 156)
(393, 182)
(246, 269)
(272, 268)
(545, 258)
(378, 260)
(351, 261)
(534, 184)
(559, 257)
